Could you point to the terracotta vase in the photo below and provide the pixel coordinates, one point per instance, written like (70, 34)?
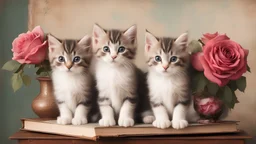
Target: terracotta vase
(44, 104)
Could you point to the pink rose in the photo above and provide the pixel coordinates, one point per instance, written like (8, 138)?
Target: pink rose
(30, 47)
(221, 60)
(208, 106)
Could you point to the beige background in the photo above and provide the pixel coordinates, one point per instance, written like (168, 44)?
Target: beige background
(236, 18)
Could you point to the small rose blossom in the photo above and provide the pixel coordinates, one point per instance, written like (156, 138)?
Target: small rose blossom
(221, 60)
(208, 106)
(30, 47)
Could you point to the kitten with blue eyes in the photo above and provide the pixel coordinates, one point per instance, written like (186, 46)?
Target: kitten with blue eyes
(72, 81)
(169, 81)
(117, 77)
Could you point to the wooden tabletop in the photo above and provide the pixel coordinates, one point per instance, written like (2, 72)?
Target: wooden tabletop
(37, 136)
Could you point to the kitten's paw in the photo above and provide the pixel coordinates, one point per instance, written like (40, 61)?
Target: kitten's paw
(126, 122)
(63, 120)
(148, 119)
(179, 124)
(161, 123)
(107, 122)
(79, 121)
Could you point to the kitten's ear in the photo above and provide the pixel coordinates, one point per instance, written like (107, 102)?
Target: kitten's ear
(131, 33)
(182, 40)
(150, 40)
(85, 42)
(53, 42)
(97, 33)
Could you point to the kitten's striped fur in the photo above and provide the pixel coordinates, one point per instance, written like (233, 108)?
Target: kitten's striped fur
(116, 75)
(70, 48)
(73, 84)
(166, 46)
(172, 100)
(115, 36)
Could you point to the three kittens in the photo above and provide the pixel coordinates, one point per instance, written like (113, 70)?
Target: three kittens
(124, 95)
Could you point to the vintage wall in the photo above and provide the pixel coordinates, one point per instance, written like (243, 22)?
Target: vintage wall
(236, 18)
(73, 19)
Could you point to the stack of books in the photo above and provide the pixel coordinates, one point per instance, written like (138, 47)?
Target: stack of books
(94, 131)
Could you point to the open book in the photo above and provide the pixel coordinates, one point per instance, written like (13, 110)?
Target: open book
(94, 131)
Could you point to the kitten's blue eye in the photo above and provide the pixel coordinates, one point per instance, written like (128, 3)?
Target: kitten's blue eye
(106, 49)
(173, 59)
(61, 59)
(158, 59)
(121, 49)
(76, 59)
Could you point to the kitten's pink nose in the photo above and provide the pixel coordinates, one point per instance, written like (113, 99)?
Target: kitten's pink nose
(114, 56)
(165, 67)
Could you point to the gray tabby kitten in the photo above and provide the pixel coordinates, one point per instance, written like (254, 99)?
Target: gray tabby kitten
(116, 76)
(72, 81)
(169, 81)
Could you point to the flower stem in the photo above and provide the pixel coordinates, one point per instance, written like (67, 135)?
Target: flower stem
(201, 42)
(20, 68)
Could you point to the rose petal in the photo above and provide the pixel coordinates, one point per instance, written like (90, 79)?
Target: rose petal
(220, 38)
(38, 55)
(208, 73)
(21, 61)
(33, 43)
(38, 30)
(239, 73)
(196, 62)
(208, 37)
(222, 76)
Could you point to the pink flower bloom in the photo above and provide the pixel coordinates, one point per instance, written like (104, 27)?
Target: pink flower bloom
(222, 59)
(208, 106)
(30, 47)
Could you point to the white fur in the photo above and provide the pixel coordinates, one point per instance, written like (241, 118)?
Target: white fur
(115, 76)
(68, 87)
(113, 81)
(148, 117)
(161, 91)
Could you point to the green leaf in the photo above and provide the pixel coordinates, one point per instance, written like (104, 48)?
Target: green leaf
(16, 81)
(11, 65)
(194, 46)
(227, 96)
(234, 101)
(44, 74)
(227, 93)
(202, 82)
(232, 85)
(241, 83)
(212, 88)
(248, 68)
(40, 70)
(26, 80)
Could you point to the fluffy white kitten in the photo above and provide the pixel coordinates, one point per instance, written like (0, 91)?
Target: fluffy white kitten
(72, 81)
(169, 81)
(116, 75)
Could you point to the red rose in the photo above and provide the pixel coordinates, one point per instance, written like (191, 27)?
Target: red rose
(30, 47)
(221, 60)
(208, 106)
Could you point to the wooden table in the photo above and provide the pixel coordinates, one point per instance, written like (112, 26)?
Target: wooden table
(24, 137)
